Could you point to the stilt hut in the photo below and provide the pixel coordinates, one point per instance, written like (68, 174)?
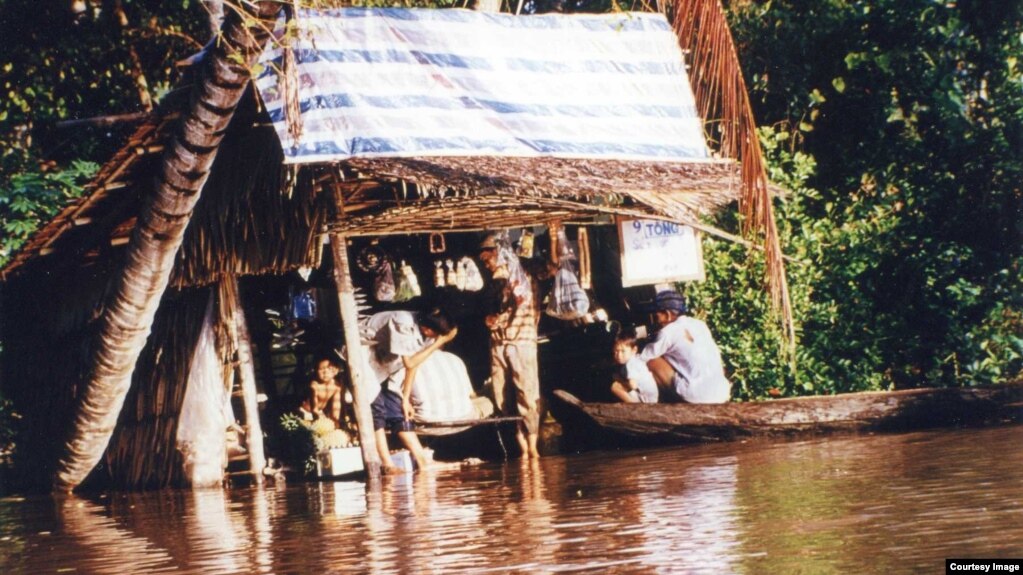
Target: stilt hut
(362, 122)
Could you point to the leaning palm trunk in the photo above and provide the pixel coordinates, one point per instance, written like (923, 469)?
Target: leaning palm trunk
(128, 317)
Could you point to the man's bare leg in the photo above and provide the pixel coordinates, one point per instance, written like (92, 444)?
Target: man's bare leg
(411, 442)
(386, 465)
(520, 438)
(662, 371)
(531, 439)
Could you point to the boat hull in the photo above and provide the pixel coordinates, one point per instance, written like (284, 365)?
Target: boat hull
(894, 410)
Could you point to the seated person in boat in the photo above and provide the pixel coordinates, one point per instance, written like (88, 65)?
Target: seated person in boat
(325, 396)
(633, 382)
(399, 349)
(684, 359)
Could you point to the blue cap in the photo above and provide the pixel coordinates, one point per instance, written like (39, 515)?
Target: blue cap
(668, 300)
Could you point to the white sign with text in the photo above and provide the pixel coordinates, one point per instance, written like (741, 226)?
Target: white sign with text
(655, 251)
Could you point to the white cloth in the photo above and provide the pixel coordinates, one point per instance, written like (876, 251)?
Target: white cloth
(636, 371)
(392, 335)
(688, 346)
(442, 390)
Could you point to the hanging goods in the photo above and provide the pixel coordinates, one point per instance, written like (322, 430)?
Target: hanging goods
(383, 283)
(452, 275)
(303, 305)
(565, 251)
(408, 284)
(585, 273)
(460, 275)
(568, 300)
(526, 244)
(438, 274)
(517, 278)
(473, 277)
(370, 259)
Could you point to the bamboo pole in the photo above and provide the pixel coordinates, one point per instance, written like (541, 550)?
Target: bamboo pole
(358, 379)
(247, 374)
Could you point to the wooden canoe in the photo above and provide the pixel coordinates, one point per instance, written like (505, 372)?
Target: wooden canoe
(883, 410)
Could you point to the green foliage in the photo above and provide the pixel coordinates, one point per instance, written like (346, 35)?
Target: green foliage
(33, 197)
(59, 65)
(298, 444)
(900, 143)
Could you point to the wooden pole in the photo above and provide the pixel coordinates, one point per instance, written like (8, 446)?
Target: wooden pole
(358, 379)
(247, 375)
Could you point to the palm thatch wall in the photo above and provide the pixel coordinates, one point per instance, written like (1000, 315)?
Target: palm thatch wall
(255, 216)
(142, 453)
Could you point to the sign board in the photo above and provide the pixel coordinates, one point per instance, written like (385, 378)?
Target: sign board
(655, 251)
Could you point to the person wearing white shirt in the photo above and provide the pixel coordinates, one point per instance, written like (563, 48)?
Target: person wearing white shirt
(684, 359)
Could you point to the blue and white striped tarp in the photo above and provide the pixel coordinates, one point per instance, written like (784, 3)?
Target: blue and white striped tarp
(412, 83)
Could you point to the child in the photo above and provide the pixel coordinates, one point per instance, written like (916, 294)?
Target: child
(400, 349)
(633, 382)
(325, 395)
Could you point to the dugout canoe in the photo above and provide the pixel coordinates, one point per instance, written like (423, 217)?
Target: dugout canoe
(884, 410)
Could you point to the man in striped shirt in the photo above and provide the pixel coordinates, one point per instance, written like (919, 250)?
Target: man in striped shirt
(512, 320)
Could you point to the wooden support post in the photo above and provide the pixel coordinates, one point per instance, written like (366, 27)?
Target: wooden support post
(247, 375)
(358, 379)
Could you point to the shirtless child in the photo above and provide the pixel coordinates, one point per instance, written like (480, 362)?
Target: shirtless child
(325, 395)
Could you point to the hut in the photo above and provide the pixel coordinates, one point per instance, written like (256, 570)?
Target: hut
(111, 308)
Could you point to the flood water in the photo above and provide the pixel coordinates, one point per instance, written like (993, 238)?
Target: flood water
(845, 504)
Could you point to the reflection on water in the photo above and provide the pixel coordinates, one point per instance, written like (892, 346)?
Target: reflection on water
(892, 503)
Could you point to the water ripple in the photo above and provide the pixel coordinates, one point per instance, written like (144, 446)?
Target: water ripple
(899, 503)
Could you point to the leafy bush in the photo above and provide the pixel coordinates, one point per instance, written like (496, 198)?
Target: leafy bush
(298, 445)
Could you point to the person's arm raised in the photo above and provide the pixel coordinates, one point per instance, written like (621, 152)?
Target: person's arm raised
(415, 360)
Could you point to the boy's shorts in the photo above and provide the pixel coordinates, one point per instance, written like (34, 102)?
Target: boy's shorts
(388, 413)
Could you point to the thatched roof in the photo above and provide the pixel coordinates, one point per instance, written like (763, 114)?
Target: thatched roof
(479, 193)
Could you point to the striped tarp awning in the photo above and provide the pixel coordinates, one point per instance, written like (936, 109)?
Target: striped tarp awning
(421, 82)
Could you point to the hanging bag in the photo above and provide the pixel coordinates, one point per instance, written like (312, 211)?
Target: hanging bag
(568, 300)
(303, 305)
(473, 278)
(408, 284)
(383, 282)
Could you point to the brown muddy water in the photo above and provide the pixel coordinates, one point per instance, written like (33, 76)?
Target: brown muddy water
(851, 504)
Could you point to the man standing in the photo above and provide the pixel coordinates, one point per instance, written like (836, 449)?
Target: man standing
(513, 341)
(684, 358)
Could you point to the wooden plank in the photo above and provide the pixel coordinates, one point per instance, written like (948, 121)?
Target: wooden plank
(470, 422)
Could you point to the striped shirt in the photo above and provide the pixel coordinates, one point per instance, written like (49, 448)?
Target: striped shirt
(518, 325)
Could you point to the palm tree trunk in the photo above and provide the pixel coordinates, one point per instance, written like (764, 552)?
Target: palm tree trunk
(128, 317)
